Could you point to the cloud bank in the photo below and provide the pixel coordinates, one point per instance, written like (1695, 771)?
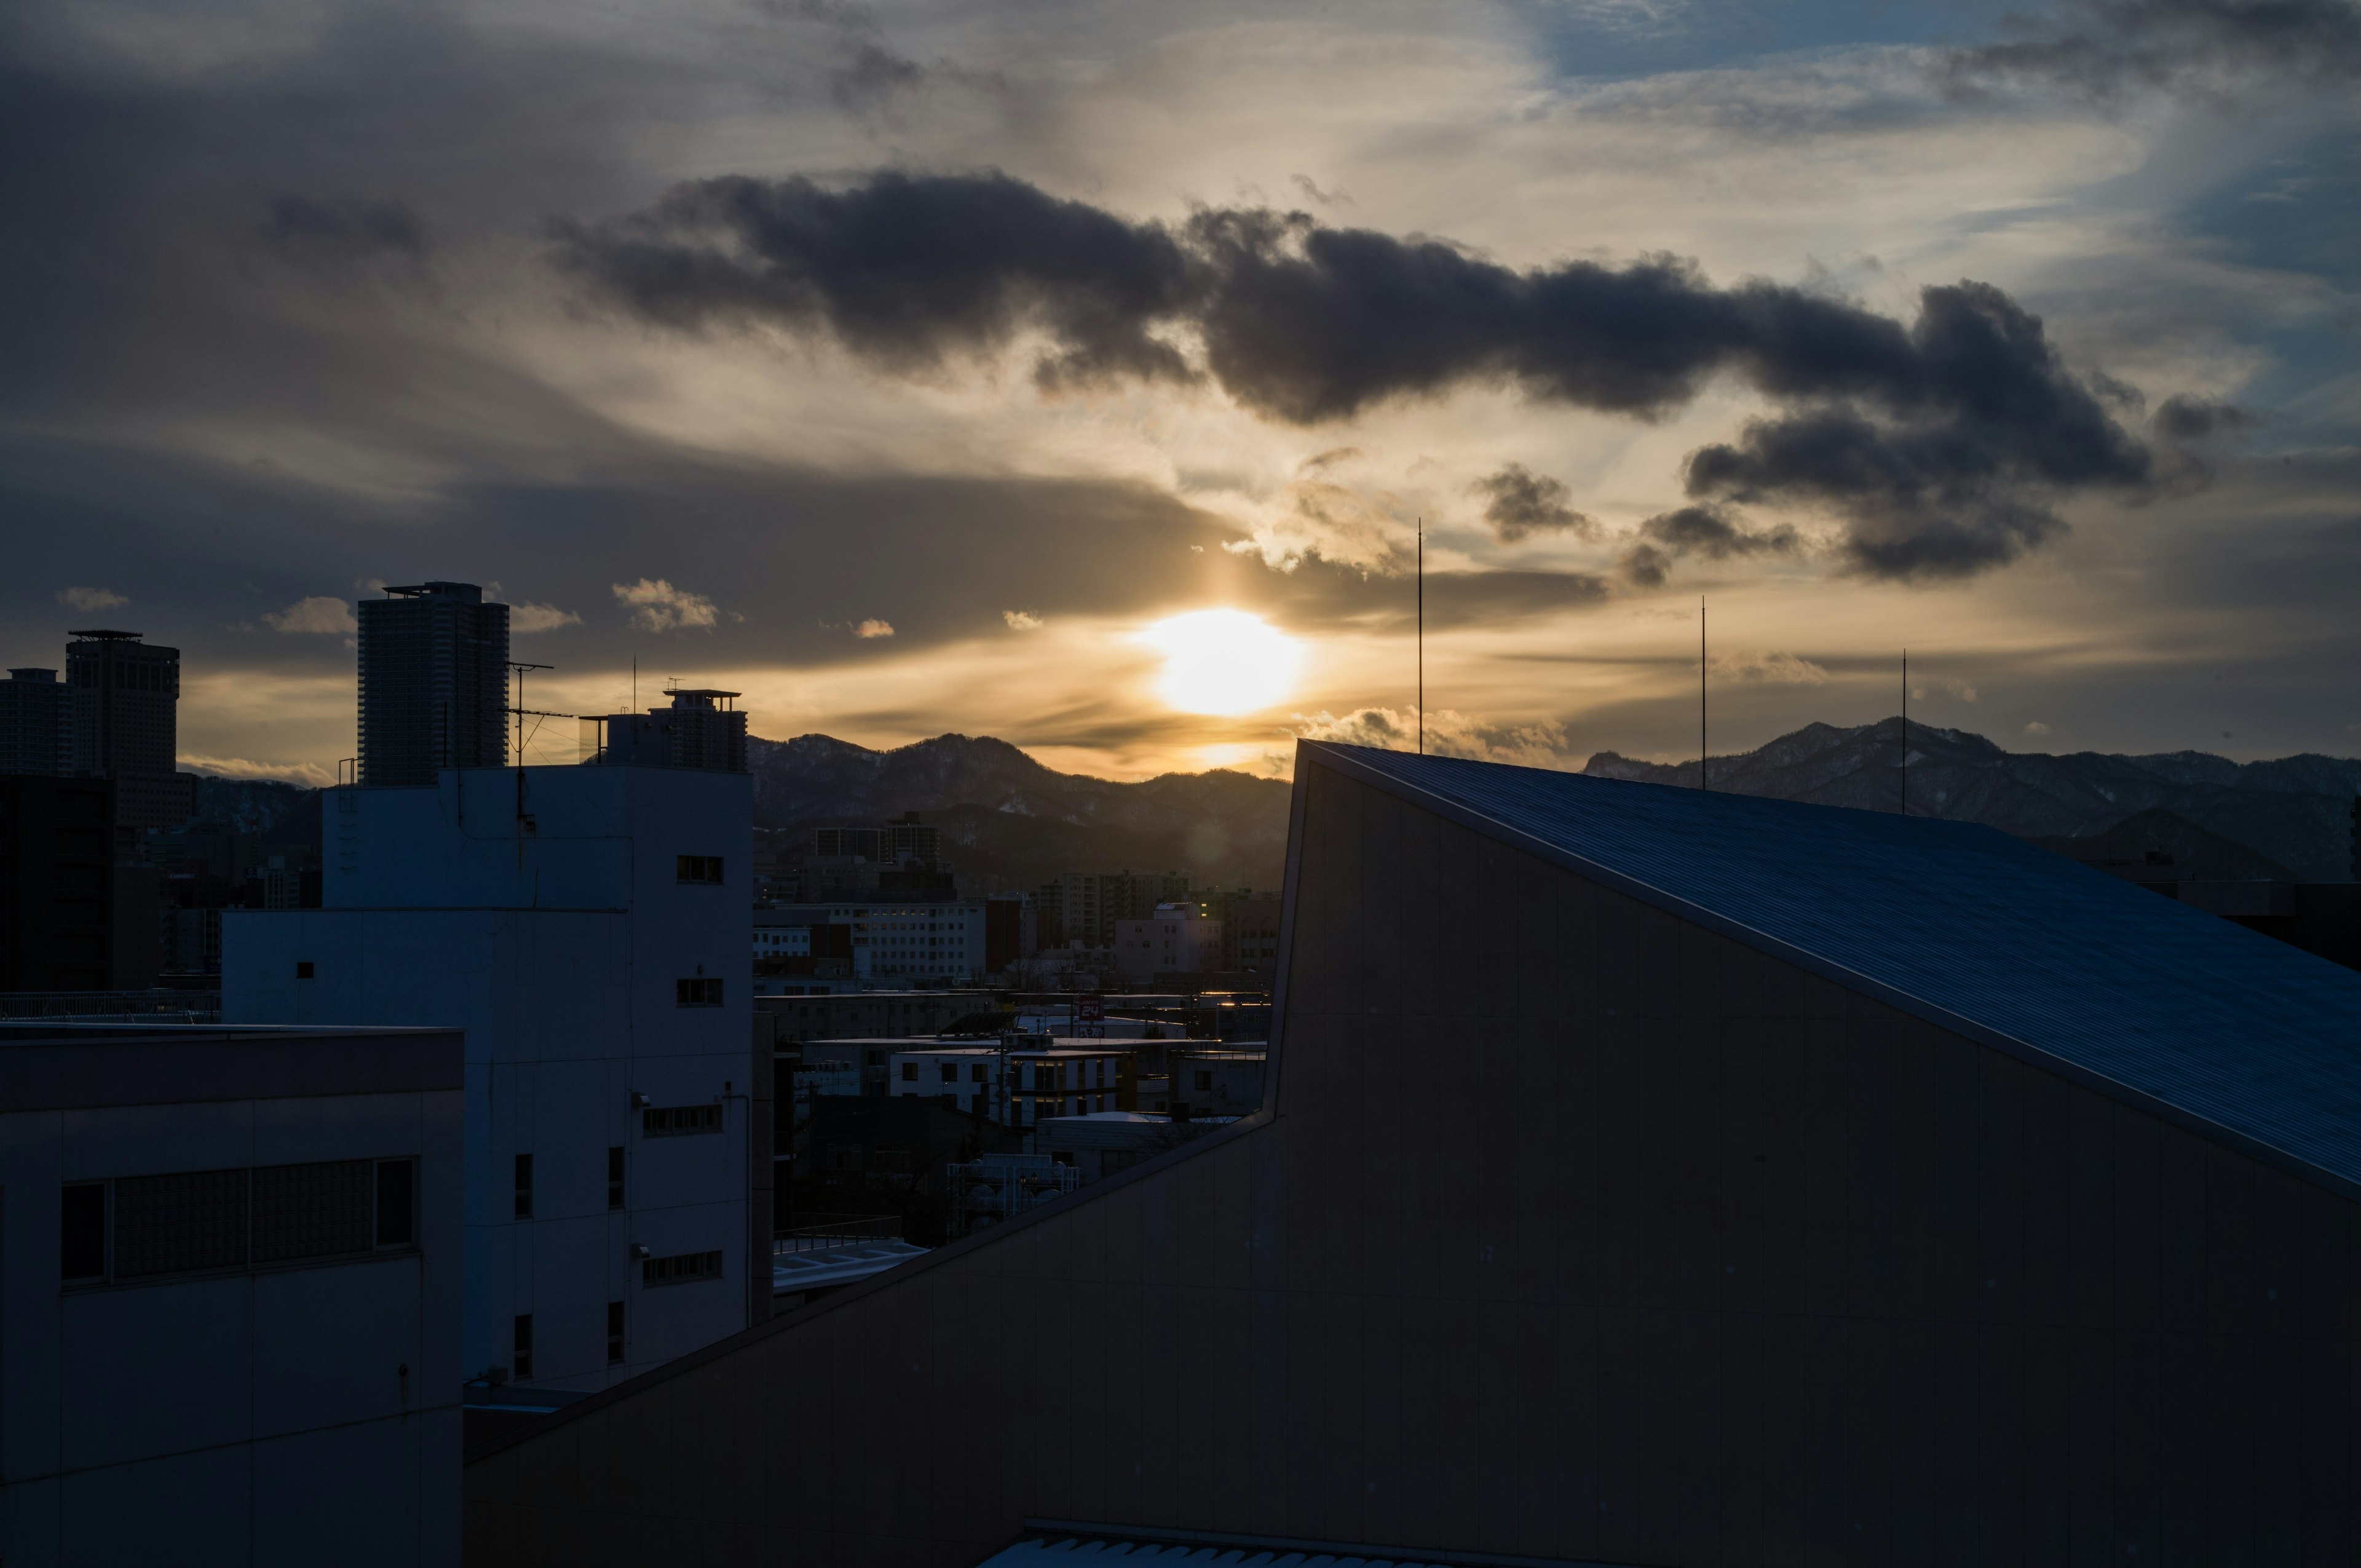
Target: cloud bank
(1940, 447)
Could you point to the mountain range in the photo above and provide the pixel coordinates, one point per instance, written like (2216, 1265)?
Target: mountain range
(1009, 822)
(2294, 811)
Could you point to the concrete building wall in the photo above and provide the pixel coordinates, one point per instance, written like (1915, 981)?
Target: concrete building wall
(288, 1412)
(560, 952)
(1589, 1234)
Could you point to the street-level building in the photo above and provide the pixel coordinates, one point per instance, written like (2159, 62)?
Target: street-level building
(586, 926)
(230, 1291)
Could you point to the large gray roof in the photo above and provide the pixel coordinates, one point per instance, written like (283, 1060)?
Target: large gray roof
(2244, 1037)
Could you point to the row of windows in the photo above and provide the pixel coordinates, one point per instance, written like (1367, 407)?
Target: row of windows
(140, 1227)
(684, 1269)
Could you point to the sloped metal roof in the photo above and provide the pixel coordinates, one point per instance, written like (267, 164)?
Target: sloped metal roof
(2244, 1037)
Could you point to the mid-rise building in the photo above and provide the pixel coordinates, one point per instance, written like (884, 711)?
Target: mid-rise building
(700, 728)
(1176, 938)
(35, 723)
(126, 702)
(1089, 904)
(1214, 1083)
(434, 683)
(58, 884)
(586, 925)
(895, 941)
(232, 1293)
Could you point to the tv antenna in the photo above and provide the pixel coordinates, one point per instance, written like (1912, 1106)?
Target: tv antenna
(1702, 752)
(519, 708)
(1905, 770)
(1421, 636)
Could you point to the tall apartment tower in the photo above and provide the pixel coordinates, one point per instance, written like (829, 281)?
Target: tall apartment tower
(125, 701)
(433, 678)
(36, 724)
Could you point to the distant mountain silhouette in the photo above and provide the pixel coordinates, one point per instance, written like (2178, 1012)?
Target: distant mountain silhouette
(2164, 845)
(2296, 811)
(1010, 823)
(277, 812)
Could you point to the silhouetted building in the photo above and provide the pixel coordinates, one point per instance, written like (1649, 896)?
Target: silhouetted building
(126, 693)
(434, 683)
(1757, 1182)
(701, 728)
(36, 724)
(56, 884)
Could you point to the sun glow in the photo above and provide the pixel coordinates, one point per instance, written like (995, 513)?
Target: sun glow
(1224, 660)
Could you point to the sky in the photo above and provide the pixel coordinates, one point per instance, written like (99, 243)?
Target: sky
(1086, 374)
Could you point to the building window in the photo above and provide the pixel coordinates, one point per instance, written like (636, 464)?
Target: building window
(950, 1072)
(670, 1121)
(684, 1268)
(521, 1362)
(909, 1072)
(397, 1202)
(696, 992)
(1204, 1080)
(302, 968)
(975, 1073)
(313, 1211)
(524, 1187)
(175, 1224)
(615, 1176)
(705, 869)
(614, 1334)
(81, 1214)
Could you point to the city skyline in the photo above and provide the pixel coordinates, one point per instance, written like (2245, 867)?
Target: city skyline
(363, 324)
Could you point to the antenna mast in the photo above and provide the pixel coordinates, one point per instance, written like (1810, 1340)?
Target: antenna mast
(1421, 636)
(1905, 770)
(1702, 752)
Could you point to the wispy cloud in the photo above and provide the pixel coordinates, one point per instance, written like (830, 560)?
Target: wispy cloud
(868, 629)
(1448, 733)
(657, 606)
(310, 773)
(317, 613)
(1769, 669)
(90, 599)
(1022, 620)
(540, 617)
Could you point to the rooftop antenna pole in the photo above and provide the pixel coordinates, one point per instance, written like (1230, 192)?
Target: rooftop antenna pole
(1421, 636)
(1905, 732)
(1702, 752)
(635, 683)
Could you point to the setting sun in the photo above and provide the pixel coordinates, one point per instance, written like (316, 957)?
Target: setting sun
(1224, 660)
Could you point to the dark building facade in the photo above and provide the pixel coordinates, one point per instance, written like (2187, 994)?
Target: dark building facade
(36, 724)
(56, 884)
(1769, 1183)
(434, 683)
(125, 701)
(701, 728)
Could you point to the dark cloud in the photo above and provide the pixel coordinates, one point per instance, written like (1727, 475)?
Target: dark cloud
(2184, 418)
(872, 74)
(1519, 503)
(2101, 47)
(1940, 445)
(344, 232)
(1957, 473)
(1705, 531)
(907, 271)
(1339, 197)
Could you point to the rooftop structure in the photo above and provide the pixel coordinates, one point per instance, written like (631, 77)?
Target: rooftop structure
(700, 728)
(35, 723)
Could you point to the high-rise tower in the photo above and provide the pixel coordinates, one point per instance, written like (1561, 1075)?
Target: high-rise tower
(433, 682)
(125, 701)
(36, 724)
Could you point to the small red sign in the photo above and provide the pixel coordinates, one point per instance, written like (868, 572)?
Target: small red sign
(1090, 1009)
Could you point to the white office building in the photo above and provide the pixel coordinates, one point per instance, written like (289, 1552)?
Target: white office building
(230, 1293)
(909, 942)
(586, 928)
